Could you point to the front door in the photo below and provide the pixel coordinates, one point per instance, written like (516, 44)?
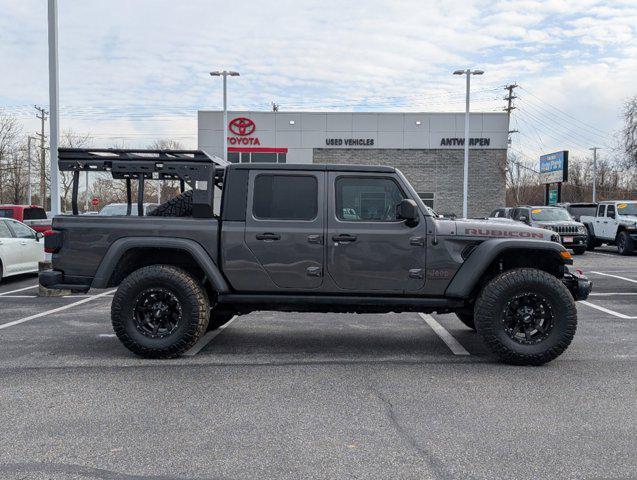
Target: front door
(368, 248)
(30, 251)
(9, 250)
(284, 227)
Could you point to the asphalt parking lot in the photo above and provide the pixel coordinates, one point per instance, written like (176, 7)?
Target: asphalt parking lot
(291, 396)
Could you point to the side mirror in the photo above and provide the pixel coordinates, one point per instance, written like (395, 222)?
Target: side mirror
(408, 210)
(610, 215)
(38, 236)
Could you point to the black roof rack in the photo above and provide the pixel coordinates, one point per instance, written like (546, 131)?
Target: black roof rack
(192, 167)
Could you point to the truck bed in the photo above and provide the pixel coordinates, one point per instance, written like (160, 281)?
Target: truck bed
(86, 239)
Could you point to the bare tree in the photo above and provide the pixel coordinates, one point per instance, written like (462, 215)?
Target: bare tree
(629, 132)
(10, 131)
(71, 140)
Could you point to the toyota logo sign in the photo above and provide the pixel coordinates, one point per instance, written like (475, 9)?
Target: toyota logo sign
(242, 126)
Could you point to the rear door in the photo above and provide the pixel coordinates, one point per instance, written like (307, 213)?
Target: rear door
(284, 226)
(600, 221)
(368, 248)
(9, 250)
(30, 251)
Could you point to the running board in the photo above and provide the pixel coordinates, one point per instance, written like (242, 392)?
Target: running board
(337, 303)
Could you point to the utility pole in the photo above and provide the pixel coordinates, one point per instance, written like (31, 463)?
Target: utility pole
(42, 116)
(29, 193)
(594, 149)
(509, 98)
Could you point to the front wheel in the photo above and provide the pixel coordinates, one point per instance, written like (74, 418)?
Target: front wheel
(160, 311)
(625, 244)
(526, 316)
(579, 250)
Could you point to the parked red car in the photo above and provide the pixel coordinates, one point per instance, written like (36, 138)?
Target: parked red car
(31, 215)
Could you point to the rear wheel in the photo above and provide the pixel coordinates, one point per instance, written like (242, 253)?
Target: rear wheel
(467, 319)
(179, 206)
(526, 316)
(160, 311)
(625, 244)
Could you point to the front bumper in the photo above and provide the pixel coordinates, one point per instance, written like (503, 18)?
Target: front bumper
(577, 283)
(570, 241)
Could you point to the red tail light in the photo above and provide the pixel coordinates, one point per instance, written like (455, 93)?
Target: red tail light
(52, 241)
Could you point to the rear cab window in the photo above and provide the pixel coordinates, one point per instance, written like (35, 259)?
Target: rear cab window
(34, 213)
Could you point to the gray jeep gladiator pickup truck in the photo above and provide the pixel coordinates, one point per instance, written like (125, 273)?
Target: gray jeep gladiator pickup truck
(311, 238)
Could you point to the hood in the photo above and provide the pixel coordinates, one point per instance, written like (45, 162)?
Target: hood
(558, 222)
(493, 229)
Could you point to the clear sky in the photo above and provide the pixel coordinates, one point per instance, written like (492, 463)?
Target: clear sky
(132, 71)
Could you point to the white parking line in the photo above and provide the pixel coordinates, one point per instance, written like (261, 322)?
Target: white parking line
(55, 310)
(615, 276)
(18, 290)
(609, 294)
(452, 343)
(207, 338)
(19, 296)
(606, 310)
(605, 254)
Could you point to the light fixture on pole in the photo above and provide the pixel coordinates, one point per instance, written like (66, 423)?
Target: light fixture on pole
(465, 182)
(225, 74)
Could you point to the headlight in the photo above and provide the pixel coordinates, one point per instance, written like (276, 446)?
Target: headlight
(581, 229)
(555, 238)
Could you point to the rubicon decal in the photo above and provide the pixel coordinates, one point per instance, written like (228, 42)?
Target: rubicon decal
(242, 126)
(486, 232)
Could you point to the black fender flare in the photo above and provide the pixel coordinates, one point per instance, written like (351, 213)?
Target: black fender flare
(122, 245)
(469, 274)
(590, 230)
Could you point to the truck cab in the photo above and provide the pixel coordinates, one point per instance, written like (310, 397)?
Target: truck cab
(614, 223)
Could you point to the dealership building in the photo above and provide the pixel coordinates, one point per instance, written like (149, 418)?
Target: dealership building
(427, 147)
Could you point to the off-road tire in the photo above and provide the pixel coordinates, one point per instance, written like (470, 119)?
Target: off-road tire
(467, 319)
(625, 244)
(591, 243)
(218, 318)
(494, 299)
(580, 250)
(179, 206)
(194, 304)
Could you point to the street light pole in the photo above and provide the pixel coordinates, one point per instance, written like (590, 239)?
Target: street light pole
(53, 107)
(465, 182)
(594, 149)
(29, 138)
(225, 74)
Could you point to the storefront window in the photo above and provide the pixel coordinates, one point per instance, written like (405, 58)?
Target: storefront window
(427, 198)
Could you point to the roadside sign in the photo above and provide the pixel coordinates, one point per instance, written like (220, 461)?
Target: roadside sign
(552, 196)
(95, 202)
(554, 167)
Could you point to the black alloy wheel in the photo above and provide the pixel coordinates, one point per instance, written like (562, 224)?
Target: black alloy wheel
(157, 313)
(528, 318)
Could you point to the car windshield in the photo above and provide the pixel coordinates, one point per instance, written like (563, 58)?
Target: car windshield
(627, 208)
(549, 214)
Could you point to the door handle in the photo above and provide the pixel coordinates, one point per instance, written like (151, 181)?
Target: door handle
(344, 238)
(318, 239)
(268, 236)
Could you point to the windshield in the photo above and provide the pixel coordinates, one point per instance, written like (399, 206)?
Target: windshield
(550, 214)
(627, 208)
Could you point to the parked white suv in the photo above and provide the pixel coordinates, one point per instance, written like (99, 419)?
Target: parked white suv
(615, 223)
(21, 248)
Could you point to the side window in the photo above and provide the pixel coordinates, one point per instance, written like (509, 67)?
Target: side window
(4, 230)
(367, 199)
(6, 213)
(610, 211)
(22, 231)
(600, 210)
(34, 214)
(516, 214)
(285, 197)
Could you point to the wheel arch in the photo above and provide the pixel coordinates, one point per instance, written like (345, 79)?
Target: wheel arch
(497, 255)
(129, 254)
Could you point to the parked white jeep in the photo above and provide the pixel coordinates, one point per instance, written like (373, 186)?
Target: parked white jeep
(615, 223)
